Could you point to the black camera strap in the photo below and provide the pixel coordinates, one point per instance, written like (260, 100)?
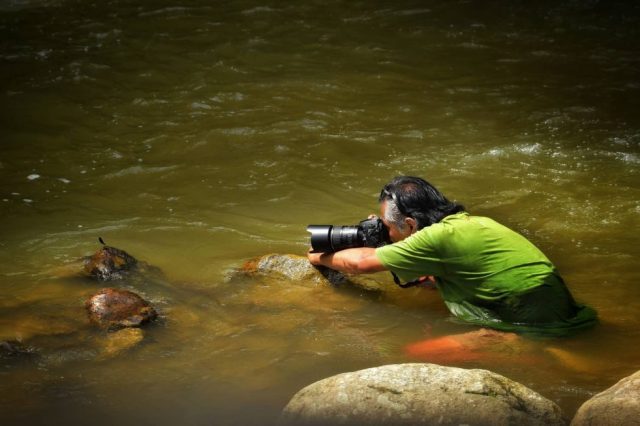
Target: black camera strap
(408, 284)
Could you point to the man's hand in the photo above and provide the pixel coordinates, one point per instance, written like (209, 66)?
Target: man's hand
(314, 258)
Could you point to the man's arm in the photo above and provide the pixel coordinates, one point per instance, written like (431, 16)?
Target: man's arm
(359, 260)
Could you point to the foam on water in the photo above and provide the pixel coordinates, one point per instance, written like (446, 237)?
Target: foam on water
(139, 170)
(258, 10)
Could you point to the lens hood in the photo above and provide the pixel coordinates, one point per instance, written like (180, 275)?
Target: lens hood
(320, 238)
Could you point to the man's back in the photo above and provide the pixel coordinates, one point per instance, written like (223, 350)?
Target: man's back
(486, 273)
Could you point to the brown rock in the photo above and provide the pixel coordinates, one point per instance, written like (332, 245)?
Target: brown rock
(109, 263)
(113, 308)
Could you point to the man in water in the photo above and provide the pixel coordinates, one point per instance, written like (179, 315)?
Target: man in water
(486, 273)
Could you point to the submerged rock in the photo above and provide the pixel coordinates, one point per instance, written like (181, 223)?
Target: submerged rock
(14, 349)
(618, 405)
(419, 394)
(113, 308)
(297, 268)
(120, 341)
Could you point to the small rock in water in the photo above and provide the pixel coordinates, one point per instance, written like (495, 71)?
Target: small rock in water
(112, 308)
(109, 263)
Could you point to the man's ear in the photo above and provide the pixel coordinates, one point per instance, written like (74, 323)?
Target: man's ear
(411, 223)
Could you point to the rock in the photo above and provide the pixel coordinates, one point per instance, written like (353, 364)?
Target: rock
(291, 267)
(120, 341)
(12, 349)
(618, 405)
(23, 326)
(419, 394)
(113, 308)
(109, 263)
(297, 268)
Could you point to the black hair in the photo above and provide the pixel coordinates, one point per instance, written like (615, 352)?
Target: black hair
(415, 197)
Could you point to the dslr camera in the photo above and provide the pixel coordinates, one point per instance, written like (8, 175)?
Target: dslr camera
(367, 233)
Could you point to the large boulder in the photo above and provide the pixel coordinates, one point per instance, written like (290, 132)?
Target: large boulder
(619, 405)
(419, 394)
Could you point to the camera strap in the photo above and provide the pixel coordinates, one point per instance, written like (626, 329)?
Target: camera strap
(408, 284)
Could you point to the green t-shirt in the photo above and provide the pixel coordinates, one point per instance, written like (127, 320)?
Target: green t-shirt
(488, 274)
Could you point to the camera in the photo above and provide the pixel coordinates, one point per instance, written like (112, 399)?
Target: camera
(329, 238)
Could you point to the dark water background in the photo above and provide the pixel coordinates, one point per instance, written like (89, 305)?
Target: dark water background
(198, 134)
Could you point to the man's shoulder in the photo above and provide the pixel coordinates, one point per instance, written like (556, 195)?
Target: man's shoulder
(463, 229)
(450, 223)
(466, 220)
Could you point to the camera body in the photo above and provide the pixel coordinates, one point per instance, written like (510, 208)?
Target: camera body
(330, 238)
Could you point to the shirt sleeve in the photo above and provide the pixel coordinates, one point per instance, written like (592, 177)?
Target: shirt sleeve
(415, 256)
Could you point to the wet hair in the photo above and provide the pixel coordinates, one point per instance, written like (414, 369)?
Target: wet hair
(409, 196)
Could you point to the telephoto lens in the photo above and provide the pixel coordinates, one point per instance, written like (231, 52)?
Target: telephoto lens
(329, 238)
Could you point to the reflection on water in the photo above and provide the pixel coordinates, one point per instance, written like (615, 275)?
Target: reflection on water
(200, 135)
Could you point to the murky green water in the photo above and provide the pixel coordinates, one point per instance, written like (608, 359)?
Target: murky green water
(198, 134)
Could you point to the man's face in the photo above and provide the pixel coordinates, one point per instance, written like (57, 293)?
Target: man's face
(395, 233)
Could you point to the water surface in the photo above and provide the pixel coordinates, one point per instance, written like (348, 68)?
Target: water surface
(196, 135)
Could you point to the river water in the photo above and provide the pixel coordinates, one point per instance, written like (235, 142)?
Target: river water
(198, 134)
